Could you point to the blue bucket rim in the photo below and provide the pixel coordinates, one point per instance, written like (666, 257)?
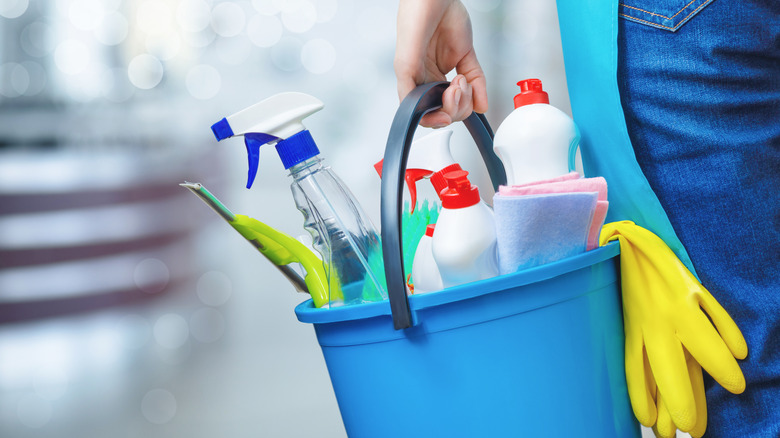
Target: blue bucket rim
(306, 312)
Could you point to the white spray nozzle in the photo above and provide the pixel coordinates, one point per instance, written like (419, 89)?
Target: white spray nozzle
(280, 115)
(276, 119)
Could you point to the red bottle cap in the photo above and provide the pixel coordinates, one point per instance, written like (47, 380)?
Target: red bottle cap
(531, 92)
(438, 181)
(459, 193)
(429, 230)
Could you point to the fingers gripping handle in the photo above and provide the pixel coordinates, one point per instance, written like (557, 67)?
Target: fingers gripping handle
(420, 101)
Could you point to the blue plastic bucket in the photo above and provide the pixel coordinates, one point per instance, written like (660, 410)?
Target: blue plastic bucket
(538, 353)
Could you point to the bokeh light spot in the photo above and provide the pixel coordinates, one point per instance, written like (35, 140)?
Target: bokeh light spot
(268, 7)
(228, 19)
(145, 72)
(71, 57)
(264, 30)
(207, 325)
(85, 14)
(193, 15)
(235, 50)
(200, 39)
(151, 275)
(203, 82)
(37, 76)
(171, 331)
(14, 79)
(13, 8)
(286, 54)
(135, 331)
(153, 17)
(52, 384)
(164, 47)
(112, 29)
(318, 56)
(158, 406)
(37, 39)
(214, 288)
(326, 10)
(299, 16)
(34, 411)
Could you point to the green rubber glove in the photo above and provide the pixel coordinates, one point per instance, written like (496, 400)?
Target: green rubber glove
(664, 316)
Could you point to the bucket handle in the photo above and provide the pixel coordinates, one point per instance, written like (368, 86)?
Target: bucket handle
(418, 102)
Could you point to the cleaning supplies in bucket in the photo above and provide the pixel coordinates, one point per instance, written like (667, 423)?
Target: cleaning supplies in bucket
(429, 157)
(425, 272)
(464, 243)
(673, 327)
(548, 220)
(536, 141)
(279, 248)
(571, 182)
(341, 231)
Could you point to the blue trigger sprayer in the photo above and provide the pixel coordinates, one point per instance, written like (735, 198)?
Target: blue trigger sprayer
(341, 232)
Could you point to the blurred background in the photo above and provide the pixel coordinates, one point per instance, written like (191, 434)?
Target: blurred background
(127, 308)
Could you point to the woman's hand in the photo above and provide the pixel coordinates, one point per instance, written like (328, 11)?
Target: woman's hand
(433, 37)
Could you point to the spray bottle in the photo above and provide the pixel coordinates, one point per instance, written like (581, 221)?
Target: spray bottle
(536, 141)
(464, 244)
(341, 231)
(429, 157)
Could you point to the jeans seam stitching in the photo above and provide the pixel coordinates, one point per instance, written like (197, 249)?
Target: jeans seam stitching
(645, 21)
(658, 15)
(705, 3)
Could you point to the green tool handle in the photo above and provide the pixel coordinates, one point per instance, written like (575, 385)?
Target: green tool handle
(282, 249)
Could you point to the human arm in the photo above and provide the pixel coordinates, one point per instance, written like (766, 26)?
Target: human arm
(433, 38)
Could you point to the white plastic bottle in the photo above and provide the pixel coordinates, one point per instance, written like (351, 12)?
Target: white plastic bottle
(464, 244)
(536, 141)
(429, 157)
(425, 272)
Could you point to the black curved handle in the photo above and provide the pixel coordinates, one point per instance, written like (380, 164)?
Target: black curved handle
(421, 100)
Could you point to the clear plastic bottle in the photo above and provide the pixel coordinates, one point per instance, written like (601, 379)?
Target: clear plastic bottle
(341, 232)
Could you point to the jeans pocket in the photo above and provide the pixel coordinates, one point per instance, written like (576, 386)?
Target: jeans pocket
(664, 14)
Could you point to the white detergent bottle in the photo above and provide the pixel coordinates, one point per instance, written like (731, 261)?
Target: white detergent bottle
(341, 231)
(464, 244)
(536, 141)
(429, 157)
(425, 272)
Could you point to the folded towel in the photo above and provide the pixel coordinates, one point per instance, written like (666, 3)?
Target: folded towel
(569, 183)
(566, 177)
(537, 229)
(599, 216)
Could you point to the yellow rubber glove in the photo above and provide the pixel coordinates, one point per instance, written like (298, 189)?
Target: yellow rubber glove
(664, 309)
(664, 426)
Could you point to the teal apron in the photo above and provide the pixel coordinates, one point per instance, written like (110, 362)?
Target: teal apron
(589, 31)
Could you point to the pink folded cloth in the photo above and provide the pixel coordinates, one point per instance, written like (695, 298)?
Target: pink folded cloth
(569, 183)
(566, 177)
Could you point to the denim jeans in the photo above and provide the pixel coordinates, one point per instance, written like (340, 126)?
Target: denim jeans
(699, 83)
